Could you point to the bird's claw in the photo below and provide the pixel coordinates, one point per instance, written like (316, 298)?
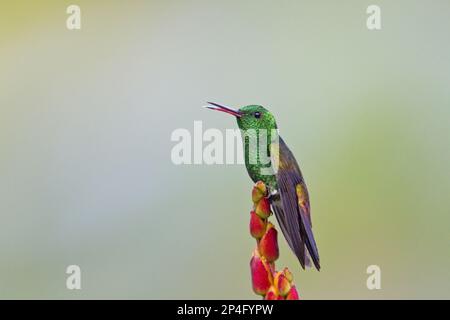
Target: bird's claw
(272, 194)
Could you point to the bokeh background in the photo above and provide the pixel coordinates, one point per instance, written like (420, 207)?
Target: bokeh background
(85, 124)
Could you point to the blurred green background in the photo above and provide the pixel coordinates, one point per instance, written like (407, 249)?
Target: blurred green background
(85, 124)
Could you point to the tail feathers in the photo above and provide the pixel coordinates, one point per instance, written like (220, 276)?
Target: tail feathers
(310, 243)
(304, 248)
(307, 259)
(299, 238)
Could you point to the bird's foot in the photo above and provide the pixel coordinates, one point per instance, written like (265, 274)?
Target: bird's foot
(272, 194)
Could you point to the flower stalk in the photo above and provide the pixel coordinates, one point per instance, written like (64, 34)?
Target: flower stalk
(266, 281)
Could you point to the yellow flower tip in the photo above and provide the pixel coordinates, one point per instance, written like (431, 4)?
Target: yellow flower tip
(262, 187)
(271, 294)
(282, 284)
(288, 275)
(259, 191)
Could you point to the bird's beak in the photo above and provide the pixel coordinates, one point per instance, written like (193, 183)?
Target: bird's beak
(218, 107)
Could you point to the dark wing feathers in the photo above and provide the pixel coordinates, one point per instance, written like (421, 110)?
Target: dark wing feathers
(294, 220)
(296, 244)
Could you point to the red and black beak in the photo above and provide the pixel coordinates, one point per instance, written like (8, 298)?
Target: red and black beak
(218, 107)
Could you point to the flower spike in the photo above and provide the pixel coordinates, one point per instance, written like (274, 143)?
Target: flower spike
(266, 281)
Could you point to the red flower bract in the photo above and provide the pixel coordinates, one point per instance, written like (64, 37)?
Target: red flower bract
(257, 225)
(268, 245)
(262, 208)
(271, 294)
(261, 275)
(292, 294)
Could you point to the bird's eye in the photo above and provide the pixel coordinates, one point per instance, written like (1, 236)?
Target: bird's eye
(257, 115)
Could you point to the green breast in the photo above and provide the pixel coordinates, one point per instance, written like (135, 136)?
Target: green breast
(255, 173)
(258, 164)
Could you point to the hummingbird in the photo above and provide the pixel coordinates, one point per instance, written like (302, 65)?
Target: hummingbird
(288, 195)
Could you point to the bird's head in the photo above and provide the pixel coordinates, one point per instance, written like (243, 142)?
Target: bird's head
(249, 117)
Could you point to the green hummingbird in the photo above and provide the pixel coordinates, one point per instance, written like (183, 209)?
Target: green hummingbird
(288, 195)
